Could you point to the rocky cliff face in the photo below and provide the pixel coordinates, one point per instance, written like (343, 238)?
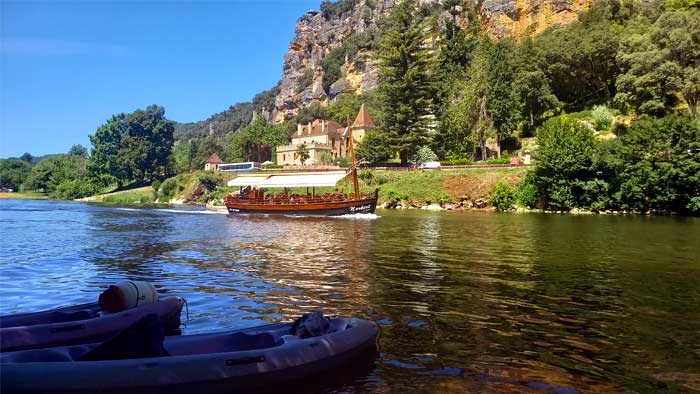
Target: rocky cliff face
(319, 33)
(522, 18)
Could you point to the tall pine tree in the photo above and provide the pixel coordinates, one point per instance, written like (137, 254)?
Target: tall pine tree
(406, 84)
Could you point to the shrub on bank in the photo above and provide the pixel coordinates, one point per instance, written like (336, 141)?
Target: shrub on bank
(503, 196)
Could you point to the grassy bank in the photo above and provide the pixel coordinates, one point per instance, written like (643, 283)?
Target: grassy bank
(140, 195)
(415, 188)
(438, 186)
(24, 195)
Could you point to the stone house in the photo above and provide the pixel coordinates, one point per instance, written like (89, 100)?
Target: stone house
(213, 162)
(324, 136)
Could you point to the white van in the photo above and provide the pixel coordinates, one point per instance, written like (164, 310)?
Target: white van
(430, 165)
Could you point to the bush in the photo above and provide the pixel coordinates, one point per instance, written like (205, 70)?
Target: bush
(694, 205)
(156, 187)
(503, 196)
(167, 189)
(602, 117)
(526, 193)
(75, 188)
(272, 166)
(504, 159)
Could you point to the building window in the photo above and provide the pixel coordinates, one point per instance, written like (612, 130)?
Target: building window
(283, 157)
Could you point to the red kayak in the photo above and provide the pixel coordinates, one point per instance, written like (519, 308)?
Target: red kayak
(85, 323)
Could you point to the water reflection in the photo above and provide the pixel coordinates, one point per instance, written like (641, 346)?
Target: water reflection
(468, 302)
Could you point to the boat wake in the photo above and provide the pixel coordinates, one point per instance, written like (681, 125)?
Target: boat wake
(360, 216)
(170, 210)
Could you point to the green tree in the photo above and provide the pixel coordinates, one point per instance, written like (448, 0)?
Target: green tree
(302, 153)
(659, 61)
(503, 102)
(580, 59)
(373, 148)
(405, 81)
(661, 164)
(532, 88)
(27, 157)
(106, 143)
(14, 173)
(63, 176)
(564, 170)
(78, 150)
(134, 147)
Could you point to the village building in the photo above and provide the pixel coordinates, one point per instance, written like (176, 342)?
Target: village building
(213, 162)
(324, 137)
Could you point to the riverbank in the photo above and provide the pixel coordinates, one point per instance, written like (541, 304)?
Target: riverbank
(24, 196)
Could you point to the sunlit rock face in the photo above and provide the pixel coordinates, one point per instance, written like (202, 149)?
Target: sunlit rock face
(522, 18)
(317, 34)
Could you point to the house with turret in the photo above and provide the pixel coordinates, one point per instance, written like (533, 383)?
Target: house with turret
(324, 137)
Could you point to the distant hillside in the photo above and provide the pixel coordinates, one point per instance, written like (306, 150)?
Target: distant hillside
(233, 119)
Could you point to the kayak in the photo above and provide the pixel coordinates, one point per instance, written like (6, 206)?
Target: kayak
(85, 323)
(247, 360)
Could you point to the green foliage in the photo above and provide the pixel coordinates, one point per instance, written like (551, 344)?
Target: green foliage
(347, 105)
(63, 176)
(658, 60)
(134, 147)
(602, 117)
(27, 157)
(167, 189)
(683, 4)
(308, 114)
(526, 192)
(503, 196)
(579, 60)
(228, 122)
(78, 150)
(69, 189)
(661, 172)
(564, 162)
(256, 142)
(334, 9)
(406, 83)
(14, 173)
(374, 148)
(694, 205)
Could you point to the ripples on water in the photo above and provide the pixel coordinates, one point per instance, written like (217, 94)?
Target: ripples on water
(467, 302)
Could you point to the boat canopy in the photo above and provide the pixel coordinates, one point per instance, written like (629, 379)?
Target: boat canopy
(308, 179)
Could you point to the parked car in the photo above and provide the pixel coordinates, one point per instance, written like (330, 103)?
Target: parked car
(430, 165)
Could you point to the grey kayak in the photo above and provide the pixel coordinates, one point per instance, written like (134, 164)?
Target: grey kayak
(252, 358)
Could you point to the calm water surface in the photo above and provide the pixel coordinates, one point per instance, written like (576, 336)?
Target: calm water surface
(467, 302)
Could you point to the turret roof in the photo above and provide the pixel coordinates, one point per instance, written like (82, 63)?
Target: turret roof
(363, 118)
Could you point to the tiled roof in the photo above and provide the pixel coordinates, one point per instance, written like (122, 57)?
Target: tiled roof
(316, 128)
(214, 159)
(363, 118)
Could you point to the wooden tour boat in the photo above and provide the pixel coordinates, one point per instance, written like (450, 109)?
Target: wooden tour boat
(252, 199)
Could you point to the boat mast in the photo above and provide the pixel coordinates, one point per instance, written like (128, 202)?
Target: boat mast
(355, 183)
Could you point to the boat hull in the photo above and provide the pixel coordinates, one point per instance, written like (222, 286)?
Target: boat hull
(50, 328)
(210, 369)
(321, 209)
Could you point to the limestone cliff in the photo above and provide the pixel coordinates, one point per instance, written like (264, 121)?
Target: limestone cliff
(326, 33)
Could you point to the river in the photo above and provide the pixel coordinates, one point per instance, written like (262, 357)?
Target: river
(466, 301)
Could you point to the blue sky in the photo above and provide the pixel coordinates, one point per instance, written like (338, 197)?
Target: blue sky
(67, 66)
